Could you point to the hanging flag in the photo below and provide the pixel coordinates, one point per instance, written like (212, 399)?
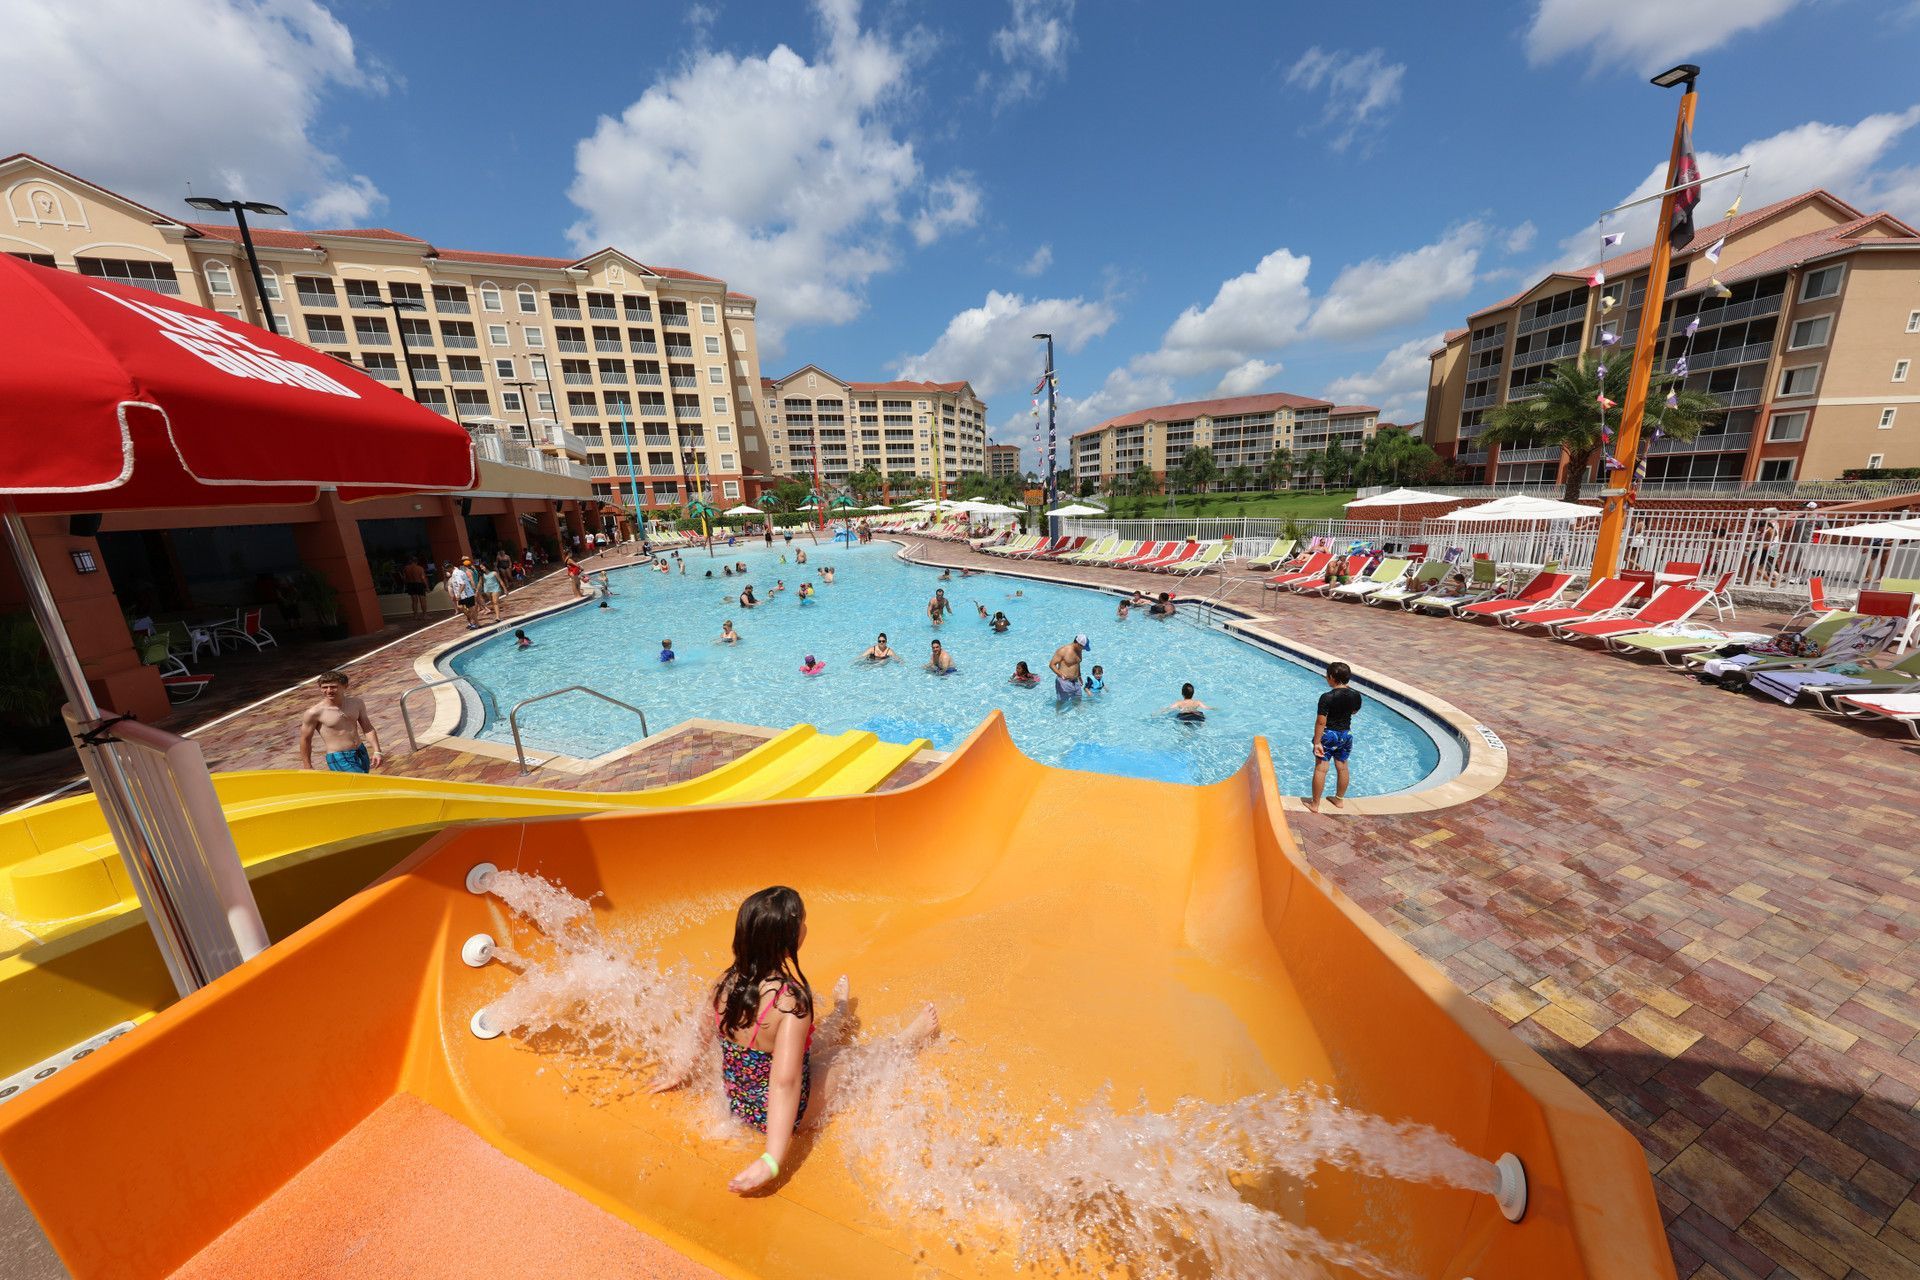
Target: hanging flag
(1600, 372)
(1603, 401)
(1686, 176)
(1713, 250)
(1612, 238)
(1608, 338)
(1680, 367)
(1598, 278)
(1734, 208)
(1673, 399)
(1693, 326)
(1658, 432)
(1607, 302)
(1640, 471)
(1720, 290)
(1614, 464)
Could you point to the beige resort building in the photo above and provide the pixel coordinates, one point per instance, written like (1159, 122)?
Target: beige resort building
(1813, 352)
(1239, 430)
(889, 426)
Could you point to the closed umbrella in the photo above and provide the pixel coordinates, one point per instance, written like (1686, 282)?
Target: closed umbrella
(116, 398)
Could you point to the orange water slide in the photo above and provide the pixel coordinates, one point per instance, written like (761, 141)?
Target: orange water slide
(1086, 937)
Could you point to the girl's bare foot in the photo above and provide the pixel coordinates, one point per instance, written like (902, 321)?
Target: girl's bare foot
(841, 990)
(923, 1028)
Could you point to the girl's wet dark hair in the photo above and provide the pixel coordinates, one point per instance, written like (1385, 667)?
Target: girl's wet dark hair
(766, 944)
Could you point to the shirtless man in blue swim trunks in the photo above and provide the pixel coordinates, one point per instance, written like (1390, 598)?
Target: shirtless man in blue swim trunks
(339, 719)
(1065, 665)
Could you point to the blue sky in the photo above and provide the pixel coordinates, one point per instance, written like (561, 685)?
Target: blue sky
(1205, 198)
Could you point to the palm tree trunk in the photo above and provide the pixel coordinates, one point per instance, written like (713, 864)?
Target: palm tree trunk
(1576, 475)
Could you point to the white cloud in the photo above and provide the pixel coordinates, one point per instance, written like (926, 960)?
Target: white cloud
(1644, 35)
(1382, 293)
(1841, 158)
(1036, 265)
(1520, 239)
(1031, 48)
(1362, 89)
(701, 19)
(1247, 377)
(224, 94)
(1254, 312)
(952, 202)
(1398, 384)
(992, 345)
(1122, 391)
(782, 174)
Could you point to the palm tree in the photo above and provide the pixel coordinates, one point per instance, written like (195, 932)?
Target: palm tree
(1394, 456)
(1142, 486)
(1277, 470)
(864, 483)
(1198, 469)
(1240, 478)
(1567, 412)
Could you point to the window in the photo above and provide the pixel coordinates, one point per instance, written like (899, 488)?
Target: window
(490, 296)
(739, 338)
(1810, 333)
(510, 401)
(717, 375)
(1777, 469)
(1874, 460)
(529, 303)
(272, 284)
(282, 324)
(1913, 322)
(219, 280)
(536, 366)
(381, 365)
(730, 488)
(544, 399)
(1886, 419)
(451, 298)
(1900, 368)
(315, 291)
(719, 404)
(372, 331)
(157, 276)
(707, 315)
(723, 434)
(503, 367)
(1800, 380)
(536, 337)
(1821, 284)
(326, 329)
(496, 335)
(1783, 428)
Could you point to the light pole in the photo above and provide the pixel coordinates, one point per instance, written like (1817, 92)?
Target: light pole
(525, 417)
(1053, 478)
(239, 209)
(397, 305)
(1633, 410)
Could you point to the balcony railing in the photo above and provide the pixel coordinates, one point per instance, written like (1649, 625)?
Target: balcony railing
(647, 379)
(645, 348)
(318, 299)
(573, 379)
(659, 441)
(1545, 453)
(672, 321)
(1491, 342)
(567, 313)
(1725, 356)
(662, 469)
(642, 314)
(682, 411)
(614, 377)
(427, 375)
(603, 313)
(465, 340)
(466, 375)
(611, 345)
(1712, 316)
(1479, 402)
(1719, 442)
(452, 307)
(682, 380)
(374, 337)
(573, 346)
(1569, 315)
(1526, 359)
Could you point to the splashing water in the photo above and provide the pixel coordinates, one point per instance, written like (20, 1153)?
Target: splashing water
(1200, 1188)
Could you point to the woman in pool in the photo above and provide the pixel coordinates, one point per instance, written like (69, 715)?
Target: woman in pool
(746, 597)
(727, 634)
(880, 651)
(763, 1015)
(1126, 607)
(1022, 676)
(812, 666)
(779, 585)
(1189, 708)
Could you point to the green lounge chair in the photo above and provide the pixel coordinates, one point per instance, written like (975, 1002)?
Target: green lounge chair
(1384, 575)
(1821, 634)
(1429, 572)
(1482, 585)
(1098, 551)
(1902, 677)
(1274, 555)
(1672, 647)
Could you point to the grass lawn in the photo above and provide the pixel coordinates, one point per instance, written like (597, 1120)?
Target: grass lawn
(1305, 505)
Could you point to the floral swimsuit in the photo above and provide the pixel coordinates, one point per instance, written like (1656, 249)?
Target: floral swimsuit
(748, 1071)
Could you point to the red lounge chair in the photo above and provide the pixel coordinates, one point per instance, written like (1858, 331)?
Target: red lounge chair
(1315, 567)
(1817, 604)
(1599, 600)
(1051, 544)
(1168, 550)
(1151, 551)
(1067, 547)
(1669, 607)
(1184, 554)
(1537, 594)
(1319, 583)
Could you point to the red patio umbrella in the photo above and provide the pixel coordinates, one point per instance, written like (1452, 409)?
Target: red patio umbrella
(117, 398)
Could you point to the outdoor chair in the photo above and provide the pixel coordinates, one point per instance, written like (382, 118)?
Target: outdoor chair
(1900, 708)
(1542, 590)
(1273, 556)
(246, 626)
(1483, 585)
(157, 653)
(1416, 584)
(1818, 603)
(1320, 584)
(185, 687)
(1669, 607)
(1902, 677)
(1601, 599)
(1384, 575)
(1314, 566)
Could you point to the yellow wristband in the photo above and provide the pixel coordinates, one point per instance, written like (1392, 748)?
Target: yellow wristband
(771, 1163)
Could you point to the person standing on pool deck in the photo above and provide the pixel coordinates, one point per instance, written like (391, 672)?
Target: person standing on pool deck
(1065, 665)
(460, 589)
(339, 718)
(416, 580)
(1333, 734)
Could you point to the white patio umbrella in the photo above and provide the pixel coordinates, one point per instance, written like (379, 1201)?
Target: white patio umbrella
(986, 509)
(1888, 531)
(1524, 506)
(1399, 498)
(1076, 509)
(744, 509)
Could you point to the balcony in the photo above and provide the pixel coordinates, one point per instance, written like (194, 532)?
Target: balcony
(672, 321)
(644, 348)
(1491, 342)
(429, 374)
(451, 307)
(573, 379)
(642, 314)
(1545, 453)
(683, 380)
(373, 337)
(565, 442)
(1753, 351)
(658, 440)
(662, 469)
(1719, 442)
(647, 379)
(1709, 317)
(461, 340)
(1480, 402)
(683, 412)
(603, 313)
(566, 313)
(466, 375)
(1564, 315)
(609, 345)
(615, 377)
(679, 353)
(1523, 360)
(318, 300)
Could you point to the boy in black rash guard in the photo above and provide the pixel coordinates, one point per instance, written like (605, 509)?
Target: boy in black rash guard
(1333, 734)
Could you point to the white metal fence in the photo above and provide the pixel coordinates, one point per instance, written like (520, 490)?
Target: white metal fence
(1759, 550)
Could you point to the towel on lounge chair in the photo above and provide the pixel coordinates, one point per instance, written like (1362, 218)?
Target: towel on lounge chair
(1787, 685)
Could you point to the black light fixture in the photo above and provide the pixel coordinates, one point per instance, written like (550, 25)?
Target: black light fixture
(83, 561)
(240, 209)
(1685, 74)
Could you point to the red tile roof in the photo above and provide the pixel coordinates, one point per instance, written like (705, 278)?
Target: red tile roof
(908, 386)
(676, 273)
(484, 259)
(370, 233)
(1824, 243)
(1341, 409)
(1210, 408)
(1453, 335)
(264, 237)
(742, 297)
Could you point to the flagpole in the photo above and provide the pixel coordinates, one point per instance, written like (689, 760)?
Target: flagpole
(633, 477)
(1619, 494)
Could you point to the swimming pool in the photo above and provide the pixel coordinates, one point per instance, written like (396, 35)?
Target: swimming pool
(1124, 730)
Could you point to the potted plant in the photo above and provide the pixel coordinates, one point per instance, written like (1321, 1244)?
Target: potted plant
(318, 594)
(30, 694)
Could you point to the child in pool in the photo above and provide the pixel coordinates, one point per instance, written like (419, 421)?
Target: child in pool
(805, 593)
(812, 666)
(666, 651)
(1096, 683)
(1021, 675)
(763, 1015)
(521, 640)
(1189, 708)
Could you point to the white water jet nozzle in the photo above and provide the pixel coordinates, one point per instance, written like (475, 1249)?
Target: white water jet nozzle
(481, 1026)
(480, 879)
(1510, 1192)
(476, 951)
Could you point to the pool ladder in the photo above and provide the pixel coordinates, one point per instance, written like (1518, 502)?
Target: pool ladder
(513, 717)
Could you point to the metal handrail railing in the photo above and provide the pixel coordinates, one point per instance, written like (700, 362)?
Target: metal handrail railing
(513, 717)
(406, 720)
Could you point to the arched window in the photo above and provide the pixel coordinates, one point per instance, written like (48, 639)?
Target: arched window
(739, 340)
(529, 303)
(219, 280)
(272, 283)
(489, 296)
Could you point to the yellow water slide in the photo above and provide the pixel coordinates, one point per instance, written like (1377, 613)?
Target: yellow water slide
(1168, 1047)
(76, 957)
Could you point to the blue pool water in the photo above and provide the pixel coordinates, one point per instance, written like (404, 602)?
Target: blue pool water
(1122, 731)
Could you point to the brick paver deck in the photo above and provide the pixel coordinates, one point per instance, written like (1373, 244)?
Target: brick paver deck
(1701, 906)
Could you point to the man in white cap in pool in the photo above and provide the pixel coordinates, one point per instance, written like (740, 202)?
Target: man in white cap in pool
(1065, 666)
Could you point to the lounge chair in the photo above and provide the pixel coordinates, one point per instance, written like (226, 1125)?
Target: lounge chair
(1384, 575)
(157, 653)
(1901, 708)
(1211, 554)
(1720, 596)
(1911, 588)
(185, 686)
(1669, 607)
(1818, 604)
(246, 626)
(1672, 646)
(1429, 572)
(1541, 591)
(1484, 585)
(1067, 546)
(1025, 542)
(1324, 583)
(1600, 600)
(1181, 552)
(1902, 677)
(1273, 556)
(1046, 545)
(1147, 551)
(1093, 551)
(1315, 566)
